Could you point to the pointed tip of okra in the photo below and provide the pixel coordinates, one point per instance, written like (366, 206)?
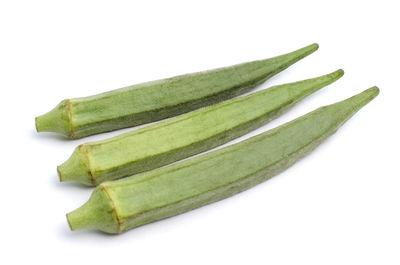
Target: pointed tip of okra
(314, 46)
(56, 120)
(285, 60)
(350, 106)
(301, 89)
(335, 75)
(339, 73)
(329, 78)
(364, 97)
(302, 52)
(309, 48)
(75, 168)
(373, 91)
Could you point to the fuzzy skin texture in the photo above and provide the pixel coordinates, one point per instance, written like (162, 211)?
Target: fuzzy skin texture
(189, 134)
(157, 100)
(192, 183)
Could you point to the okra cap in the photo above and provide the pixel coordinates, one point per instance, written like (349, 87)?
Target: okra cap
(57, 120)
(97, 213)
(76, 168)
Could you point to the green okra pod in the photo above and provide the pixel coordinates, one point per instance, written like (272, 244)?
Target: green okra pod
(153, 101)
(117, 206)
(180, 137)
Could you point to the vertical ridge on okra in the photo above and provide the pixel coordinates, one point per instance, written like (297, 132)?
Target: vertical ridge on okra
(156, 100)
(180, 137)
(189, 184)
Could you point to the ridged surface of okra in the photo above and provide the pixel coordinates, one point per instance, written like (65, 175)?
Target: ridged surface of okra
(180, 137)
(156, 100)
(117, 206)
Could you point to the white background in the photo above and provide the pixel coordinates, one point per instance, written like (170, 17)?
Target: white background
(339, 205)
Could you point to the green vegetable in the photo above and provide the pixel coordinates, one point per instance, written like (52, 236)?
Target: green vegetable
(153, 101)
(117, 206)
(180, 137)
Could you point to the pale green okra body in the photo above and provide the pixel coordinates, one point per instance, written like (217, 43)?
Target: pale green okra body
(117, 206)
(186, 135)
(156, 100)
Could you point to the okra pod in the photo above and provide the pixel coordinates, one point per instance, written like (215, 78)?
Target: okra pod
(117, 206)
(157, 100)
(180, 137)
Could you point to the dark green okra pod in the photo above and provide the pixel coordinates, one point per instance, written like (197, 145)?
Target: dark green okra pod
(180, 137)
(153, 101)
(117, 206)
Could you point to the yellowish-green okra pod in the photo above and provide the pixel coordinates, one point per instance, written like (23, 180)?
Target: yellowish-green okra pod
(156, 100)
(117, 206)
(180, 137)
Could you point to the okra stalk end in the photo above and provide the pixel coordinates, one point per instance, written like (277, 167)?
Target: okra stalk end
(97, 213)
(57, 120)
(76, 168)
